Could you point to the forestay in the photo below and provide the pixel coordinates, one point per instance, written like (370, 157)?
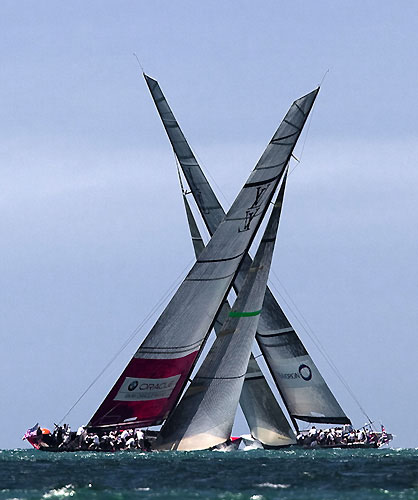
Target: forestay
(152, 382)
(305, 392)
(264, 416)
(205, 415)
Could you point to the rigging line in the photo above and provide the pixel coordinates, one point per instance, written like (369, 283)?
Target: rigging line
(140, 65)
(178, 173)
(205, 169)
(320, 347)
(184, 191)
(313, 335)
(129, 339)
(318, 344)
(323, 78)
(202, 166)
(308, 126)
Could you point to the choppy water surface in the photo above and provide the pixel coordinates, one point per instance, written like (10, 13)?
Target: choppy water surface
(255, 475)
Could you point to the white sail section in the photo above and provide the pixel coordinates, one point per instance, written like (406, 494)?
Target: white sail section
(307, 398)
(301, 385)
(205, 415)
(151, 384)
(264, 416)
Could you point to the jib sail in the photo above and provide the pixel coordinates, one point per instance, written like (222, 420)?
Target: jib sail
(264, 416)
(205, 415)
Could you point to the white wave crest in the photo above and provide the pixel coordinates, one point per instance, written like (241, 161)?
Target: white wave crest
(273, 485)
(64, 492)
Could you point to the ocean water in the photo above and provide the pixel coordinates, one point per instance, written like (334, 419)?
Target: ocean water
(255, 475)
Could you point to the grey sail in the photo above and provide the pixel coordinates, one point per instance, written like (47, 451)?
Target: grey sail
(265, 418)
(303, 389)
(202, 192)
(153, 381)
(306, 395)
(205, 415)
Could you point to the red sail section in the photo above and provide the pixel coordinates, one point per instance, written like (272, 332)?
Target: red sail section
(145, 392)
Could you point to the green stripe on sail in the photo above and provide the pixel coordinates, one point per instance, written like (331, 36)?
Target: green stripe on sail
(239, 314)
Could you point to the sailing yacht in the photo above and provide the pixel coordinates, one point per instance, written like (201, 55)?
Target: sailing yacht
(303, 390)
(154, 387)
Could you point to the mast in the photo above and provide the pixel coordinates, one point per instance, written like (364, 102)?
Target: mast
(205, 415)
(265, 418)
(303, 389)
(154, 379)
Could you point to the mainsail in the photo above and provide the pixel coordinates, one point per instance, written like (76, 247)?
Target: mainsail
(302, 387)
(152, 382)
(264, 416)
(205, 415)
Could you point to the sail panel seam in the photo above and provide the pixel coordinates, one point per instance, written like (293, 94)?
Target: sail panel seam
(277, 333)
(299, 108)
(210, 279)
(256, 377)
(219, 378)
(221, 260)
(260, 183)
(292, 124)
(278, 139)
(239, 218)
(185, 157)
(166, 352)
(176, 347)
(323, 420)
(272, 166)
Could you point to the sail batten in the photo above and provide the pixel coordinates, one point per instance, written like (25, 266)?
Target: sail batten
(315, 393)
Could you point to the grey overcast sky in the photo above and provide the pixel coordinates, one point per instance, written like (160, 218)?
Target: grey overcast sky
(92, 225)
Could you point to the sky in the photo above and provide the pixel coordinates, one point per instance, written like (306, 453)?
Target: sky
(92, 223)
